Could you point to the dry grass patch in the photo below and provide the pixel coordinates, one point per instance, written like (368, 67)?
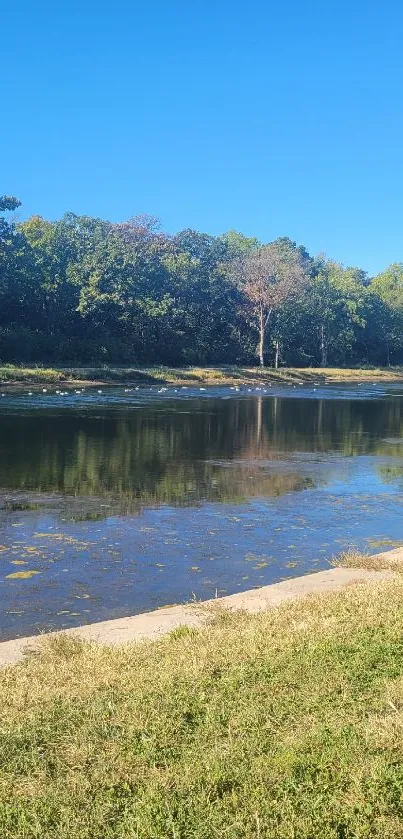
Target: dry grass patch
(278, 725)
(388, 561)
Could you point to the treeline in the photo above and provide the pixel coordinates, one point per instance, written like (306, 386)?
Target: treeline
(83, 290)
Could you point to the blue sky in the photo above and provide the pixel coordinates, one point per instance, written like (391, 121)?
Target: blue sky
(273, 118)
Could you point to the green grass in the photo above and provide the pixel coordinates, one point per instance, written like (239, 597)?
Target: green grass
(14, 374)
(284, 725)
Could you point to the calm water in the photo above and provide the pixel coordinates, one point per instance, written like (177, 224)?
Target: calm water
(118, 502)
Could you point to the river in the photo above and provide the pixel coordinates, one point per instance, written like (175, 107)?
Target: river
(118, 500)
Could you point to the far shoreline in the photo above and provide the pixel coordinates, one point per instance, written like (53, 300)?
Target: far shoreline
(18, 376)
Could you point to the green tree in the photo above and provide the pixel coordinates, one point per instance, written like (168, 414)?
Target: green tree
(85, 288)
(18, 276)
(388, 289)
(334, 311)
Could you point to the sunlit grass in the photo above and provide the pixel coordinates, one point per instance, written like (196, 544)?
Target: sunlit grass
(13, 373)
(389, 561)
(193, 375)
(283, 724)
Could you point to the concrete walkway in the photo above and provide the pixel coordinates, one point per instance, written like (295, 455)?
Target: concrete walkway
(151, 625)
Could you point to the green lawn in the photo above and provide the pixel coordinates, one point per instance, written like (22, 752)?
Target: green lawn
(285, 725)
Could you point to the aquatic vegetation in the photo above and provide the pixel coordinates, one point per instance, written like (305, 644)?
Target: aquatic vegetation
(384, 543)
(20, 506)
(88, 516)
(21, 575)
(261, 561)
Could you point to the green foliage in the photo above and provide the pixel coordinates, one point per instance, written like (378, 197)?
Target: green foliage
(85, 290)
(8, 202)
(387, 290)
(327, 321)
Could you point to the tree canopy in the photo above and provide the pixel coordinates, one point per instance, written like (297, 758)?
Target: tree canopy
(85, 290)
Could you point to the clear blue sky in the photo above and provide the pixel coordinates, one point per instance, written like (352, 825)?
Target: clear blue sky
(273, 118)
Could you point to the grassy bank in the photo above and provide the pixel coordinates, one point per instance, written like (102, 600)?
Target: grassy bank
(13, 374)
(286, 724)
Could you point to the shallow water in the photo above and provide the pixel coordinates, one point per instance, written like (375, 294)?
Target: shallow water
(119, 501)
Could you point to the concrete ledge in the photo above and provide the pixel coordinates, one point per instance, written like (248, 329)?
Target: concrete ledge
(152, 625)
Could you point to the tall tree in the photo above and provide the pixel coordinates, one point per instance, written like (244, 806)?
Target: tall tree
(269, 276)
(59, 247)
(18, 275)
(388, 288)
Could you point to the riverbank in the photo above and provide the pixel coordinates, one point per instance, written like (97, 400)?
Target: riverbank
(148, 626)
(15, 375)
(282, 723)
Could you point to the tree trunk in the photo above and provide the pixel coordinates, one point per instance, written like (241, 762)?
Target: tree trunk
(261, 337)
(277, 355)
(387, 354)
(323, 347)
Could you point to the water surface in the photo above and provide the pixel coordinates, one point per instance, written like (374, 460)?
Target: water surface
(119, 501)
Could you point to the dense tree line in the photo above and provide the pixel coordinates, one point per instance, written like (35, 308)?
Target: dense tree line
(83, 290)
